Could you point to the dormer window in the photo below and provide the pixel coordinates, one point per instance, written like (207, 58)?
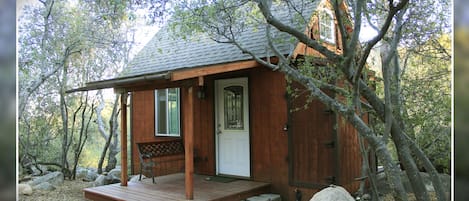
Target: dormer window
(326, 26)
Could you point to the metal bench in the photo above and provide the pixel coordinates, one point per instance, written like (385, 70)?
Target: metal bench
(148, 152)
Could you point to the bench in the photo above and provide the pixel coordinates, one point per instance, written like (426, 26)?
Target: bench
(149, 151)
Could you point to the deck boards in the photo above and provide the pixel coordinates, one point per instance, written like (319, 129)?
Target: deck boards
(171, 188)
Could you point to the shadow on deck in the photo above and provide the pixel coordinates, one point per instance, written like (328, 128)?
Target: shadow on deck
(171, 187)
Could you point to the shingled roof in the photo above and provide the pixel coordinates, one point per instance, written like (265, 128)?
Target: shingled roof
(164, 53)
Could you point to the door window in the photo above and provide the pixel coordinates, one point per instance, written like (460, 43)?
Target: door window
(233, 106)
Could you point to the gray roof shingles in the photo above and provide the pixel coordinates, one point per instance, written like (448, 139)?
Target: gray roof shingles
(164, 53)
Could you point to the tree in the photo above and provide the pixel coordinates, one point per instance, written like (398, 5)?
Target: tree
(111, 138)
(396, 23)
(427, 106)
(61, 45)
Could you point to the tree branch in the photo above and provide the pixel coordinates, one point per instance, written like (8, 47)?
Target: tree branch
(263, 6)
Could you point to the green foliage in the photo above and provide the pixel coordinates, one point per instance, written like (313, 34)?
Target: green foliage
(426, 91)
(426, 99)
(81, 41)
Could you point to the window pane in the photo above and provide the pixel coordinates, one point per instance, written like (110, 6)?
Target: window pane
(326, 26)
(173, 110)
(233, 106)
(161, 109)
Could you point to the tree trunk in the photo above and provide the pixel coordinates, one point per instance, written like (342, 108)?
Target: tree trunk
(436, 181)
(113, 126)
(83, 135)
(410, 167)
(64, 115)
(106, 136)
(99, 121)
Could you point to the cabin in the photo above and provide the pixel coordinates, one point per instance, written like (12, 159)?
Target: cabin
(216, 112)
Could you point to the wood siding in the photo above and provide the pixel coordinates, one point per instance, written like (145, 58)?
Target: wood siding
(312, 142)
(296, 159)
(269, 148)
(143, 130)
(204, 135)
(349, 155)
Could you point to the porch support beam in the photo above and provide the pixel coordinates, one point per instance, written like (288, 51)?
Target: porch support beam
(124, 138)
(201, 81)
(188, 113)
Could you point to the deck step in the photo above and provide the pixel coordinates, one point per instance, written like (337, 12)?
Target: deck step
(265, 197)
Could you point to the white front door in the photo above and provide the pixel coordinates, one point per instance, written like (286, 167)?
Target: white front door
(232, 127)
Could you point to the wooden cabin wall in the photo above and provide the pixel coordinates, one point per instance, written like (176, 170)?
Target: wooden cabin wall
(349, 156)
(143, 130)
(204, 134)
(312, 142)
(312, 139)
(269, 142)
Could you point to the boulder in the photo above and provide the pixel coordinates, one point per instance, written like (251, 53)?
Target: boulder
(332, 193)
(44, 186)
(54, 178)
(99, 180)
(81, 173)
(115, 173)
(41, 171)
(91, 175)
(25, 189)
(384, 187)
(105, 180)
(134, 178)
(113, 180)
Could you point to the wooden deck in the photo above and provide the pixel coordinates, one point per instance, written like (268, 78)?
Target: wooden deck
(171, 187)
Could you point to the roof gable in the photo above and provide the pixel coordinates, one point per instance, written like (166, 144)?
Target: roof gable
(164, 52)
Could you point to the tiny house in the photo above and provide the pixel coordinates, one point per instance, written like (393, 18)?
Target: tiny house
(235, 117)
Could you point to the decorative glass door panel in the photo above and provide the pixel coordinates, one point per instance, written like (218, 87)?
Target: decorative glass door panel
(233, 106)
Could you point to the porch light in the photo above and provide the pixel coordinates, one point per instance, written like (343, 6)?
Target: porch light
(201, 92)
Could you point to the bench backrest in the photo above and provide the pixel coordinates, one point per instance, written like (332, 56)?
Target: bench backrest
(161, 148)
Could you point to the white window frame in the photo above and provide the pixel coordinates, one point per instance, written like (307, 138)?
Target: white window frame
(168, 134)
(330, 23)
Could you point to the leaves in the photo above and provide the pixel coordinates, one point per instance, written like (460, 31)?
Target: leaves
(61, 46)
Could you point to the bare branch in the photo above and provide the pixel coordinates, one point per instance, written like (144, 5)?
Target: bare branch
(392, 11)
(263, 6)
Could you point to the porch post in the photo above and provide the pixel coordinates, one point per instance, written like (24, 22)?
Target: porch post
(124, 139)
(188, 113)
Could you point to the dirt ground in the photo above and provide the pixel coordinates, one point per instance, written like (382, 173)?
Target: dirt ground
(69, 190)
(72, 191)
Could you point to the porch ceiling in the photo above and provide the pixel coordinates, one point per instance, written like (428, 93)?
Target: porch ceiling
(130, 83)
(121, 82)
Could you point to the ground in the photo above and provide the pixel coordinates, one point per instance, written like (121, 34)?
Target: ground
(69, 190)
(72, 191)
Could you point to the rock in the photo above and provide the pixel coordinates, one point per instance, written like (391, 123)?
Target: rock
(44, 186)
(25, 189)
(41, 171)
(113, 180)
(99, 180)
(91, 175)
(114, 176)
(115, 173)
(54, 178)
(384, 187)
(81, 173)
(110, 177)
(135, 178)
(332, 193)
